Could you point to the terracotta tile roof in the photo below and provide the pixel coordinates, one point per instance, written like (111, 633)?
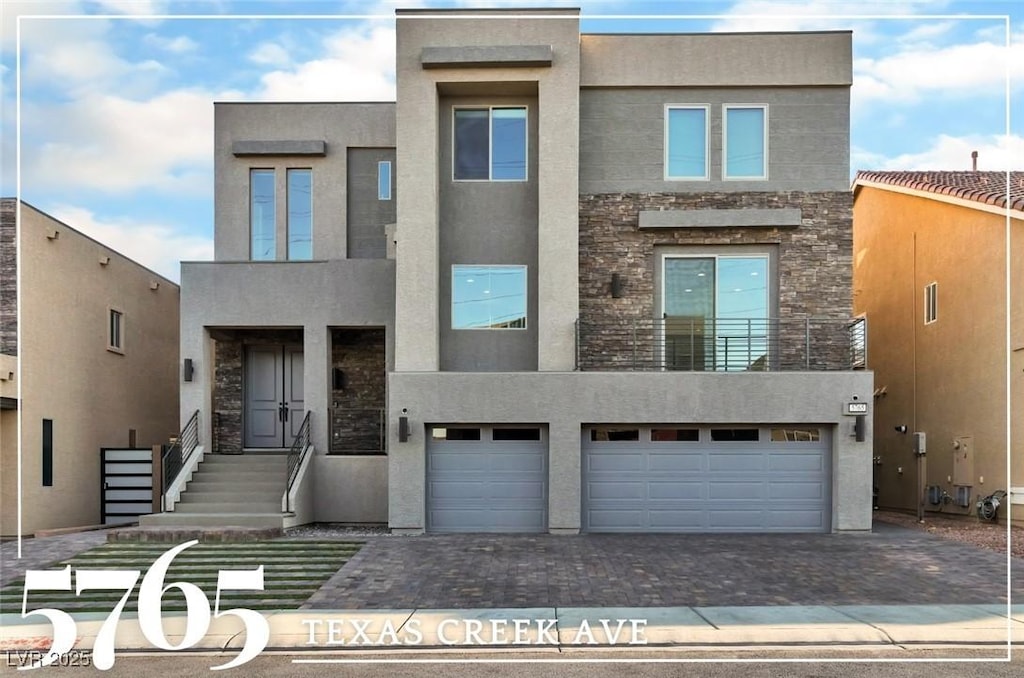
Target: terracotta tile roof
(984, 187)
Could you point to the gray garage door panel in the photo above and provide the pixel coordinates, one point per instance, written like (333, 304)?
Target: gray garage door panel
(487, 486)
(765, 486)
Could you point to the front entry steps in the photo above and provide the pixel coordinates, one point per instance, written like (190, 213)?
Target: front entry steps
(238, 490)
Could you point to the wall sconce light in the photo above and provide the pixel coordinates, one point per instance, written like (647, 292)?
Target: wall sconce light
(617, 285)
(403, 429)
(902, 428)
(338, 379)
(860, 428)
(187, 369)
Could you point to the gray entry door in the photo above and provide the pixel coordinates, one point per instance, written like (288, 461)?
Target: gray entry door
(273, 395)
(767, 485)
(480, 480)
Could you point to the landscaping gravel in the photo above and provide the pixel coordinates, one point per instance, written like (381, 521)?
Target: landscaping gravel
(965, 529)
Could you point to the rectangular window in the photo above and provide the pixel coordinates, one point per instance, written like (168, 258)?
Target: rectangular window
(488, 297)
(675, 435)
(489, 144)
(686, 142)
(262, 211)
(501, 434)
(300, 214)
(716, 313)
(796, 435)
(449, 433)
(735, 435)
(47, 461)
(745, 148)
(384, 180)
(611, 434)
(931, 303)
(115, 331)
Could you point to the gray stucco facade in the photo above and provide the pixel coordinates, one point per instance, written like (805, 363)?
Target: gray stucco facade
(591, 219)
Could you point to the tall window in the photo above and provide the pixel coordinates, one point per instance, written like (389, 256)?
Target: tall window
(384, 180)
(262, 210)
(300, 214)
(488, 297)
(489, 144)
(716, 312)
(115, 331)
(47, 460)
(745, 148)
(931, 303)
(686, 142)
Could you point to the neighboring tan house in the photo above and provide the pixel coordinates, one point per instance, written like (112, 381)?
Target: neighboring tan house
(564, 283)
(930, 275)
(93, 338)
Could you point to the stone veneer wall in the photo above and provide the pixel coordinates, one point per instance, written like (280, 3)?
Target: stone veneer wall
(8, 278)
(228, 393)
(815, 269)
(356, 409)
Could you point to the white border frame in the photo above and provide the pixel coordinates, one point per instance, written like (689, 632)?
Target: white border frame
(707, 142)
(526, 295)
(725, 142)
(490, 143)
(288, 212)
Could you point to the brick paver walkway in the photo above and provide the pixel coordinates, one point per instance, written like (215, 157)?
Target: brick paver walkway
(891, 566)
(40, 552)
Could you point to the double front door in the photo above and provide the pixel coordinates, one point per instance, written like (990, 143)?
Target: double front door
(273, 395)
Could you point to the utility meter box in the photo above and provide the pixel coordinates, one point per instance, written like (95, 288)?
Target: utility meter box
(920, 445)
(963, 460)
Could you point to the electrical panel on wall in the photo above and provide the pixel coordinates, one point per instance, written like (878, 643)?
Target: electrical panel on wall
(963, 461)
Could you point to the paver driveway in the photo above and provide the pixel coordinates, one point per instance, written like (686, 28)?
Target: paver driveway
(890, 566)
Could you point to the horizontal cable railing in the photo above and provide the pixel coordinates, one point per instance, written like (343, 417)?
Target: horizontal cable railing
(718, 344)
(296, 453)
(358, 430)
(178, 453)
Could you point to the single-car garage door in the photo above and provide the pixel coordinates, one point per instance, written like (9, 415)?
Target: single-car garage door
(706, 479)
(487, 478)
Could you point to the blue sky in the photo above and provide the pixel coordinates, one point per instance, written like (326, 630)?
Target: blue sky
(117, 112)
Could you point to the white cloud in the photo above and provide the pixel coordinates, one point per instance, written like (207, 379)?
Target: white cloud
(959, 71)
(160, 247)
(946, 152)
(272, 54)
(113, 144)
(814, 15)
(132, 7)
(176, 45)
(358, 65)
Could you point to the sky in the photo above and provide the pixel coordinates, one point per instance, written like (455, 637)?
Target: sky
(116, 96)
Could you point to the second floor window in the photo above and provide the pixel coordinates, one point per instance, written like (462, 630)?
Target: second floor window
(115, 332)
(262, 213)
(931, 303)
(746, 142)
(686, 142)
(488, 297)
(489, 144)
(384, 180)
(300, 214)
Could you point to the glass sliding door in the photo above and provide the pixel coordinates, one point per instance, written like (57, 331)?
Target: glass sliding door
(715, 313)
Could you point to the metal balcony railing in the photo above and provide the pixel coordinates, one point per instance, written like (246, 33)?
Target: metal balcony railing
(358, 430)
(721, 344)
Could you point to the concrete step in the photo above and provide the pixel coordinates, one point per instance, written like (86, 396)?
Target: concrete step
(247, 465)
(239, 473)
(246, 458)
(229, 507)
(213, 519)
(233, 495)
(221, 484)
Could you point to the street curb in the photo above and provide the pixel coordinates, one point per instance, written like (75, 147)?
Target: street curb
(570, 628)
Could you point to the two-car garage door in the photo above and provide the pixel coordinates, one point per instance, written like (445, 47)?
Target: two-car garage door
(706, 479)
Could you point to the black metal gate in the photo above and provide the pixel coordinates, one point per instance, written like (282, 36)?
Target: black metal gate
(126, 484)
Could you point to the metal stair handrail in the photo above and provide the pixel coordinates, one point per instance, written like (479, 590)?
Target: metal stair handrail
(296, 454)
(177, 454)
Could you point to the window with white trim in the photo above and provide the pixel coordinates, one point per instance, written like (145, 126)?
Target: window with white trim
(489, 143)
(745, 141)
(115, 331)
(931, 303)
(686, 142)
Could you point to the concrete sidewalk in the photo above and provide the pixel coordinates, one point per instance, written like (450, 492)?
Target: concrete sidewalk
(569, 627)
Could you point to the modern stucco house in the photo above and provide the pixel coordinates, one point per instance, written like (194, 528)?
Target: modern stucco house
(931, 278)
(95, 336)
(564, 283)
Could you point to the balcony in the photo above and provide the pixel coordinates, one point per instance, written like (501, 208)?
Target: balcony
(721, 344)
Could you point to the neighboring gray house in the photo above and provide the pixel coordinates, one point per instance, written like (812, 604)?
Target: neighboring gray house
(566, 283)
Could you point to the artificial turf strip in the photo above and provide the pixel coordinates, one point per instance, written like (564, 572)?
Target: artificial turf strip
(292, 572)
